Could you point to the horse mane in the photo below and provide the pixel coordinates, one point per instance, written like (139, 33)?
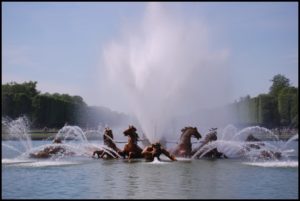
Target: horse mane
(132, 128)
(134, 135)
(131, 132)
(184, 131)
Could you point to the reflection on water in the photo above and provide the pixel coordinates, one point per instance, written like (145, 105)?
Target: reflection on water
(212, 179)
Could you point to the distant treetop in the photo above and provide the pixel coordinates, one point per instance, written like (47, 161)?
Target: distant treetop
(279, 82)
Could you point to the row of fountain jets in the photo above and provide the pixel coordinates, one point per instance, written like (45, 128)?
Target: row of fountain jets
(230, 140)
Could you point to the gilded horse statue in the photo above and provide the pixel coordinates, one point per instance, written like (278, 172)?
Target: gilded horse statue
(131, 149)
(52, 150)
(184, 147)
(113, 151)
(255, 143)
(251, 144)
(155, 150)
(213, 153)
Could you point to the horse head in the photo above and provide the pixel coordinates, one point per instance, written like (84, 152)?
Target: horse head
(184, 146)
(131, 148)
(156, 145)
(191, 131)
(131, 132)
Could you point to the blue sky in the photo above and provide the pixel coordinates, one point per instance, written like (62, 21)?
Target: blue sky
(60, 45)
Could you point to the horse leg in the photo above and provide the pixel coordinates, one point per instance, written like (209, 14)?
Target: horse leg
(115, 155)
(121, 153)
(41, 154)
(170, 156)
(131, 155)
(94, 153)
(147, 155)
(99, 153)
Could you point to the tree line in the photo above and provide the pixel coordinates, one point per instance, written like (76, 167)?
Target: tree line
(53, 110)
(277, 108)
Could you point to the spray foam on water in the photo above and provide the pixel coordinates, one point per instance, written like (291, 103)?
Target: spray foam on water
(274, 164)
(73, 137)
(233, 144)
(165, 67)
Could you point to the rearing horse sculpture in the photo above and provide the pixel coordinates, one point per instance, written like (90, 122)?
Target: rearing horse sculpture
(184, 148)
(131, 149)
(108, 141)
(155, 150)
(214, 153)
(57, 148)
(255, 143)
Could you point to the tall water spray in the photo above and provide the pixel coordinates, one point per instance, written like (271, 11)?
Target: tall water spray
(166, 66)
(18, 130)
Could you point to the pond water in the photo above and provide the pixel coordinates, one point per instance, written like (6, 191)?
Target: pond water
(88, 178)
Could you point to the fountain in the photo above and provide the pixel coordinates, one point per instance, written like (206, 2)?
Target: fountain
(230, 142)
(234, 144)
(165, 68)
(74, 142)
(72, 133)
(258, 131)
(17, 140)
(18, 130)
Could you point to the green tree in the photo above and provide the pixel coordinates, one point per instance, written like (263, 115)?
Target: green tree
(23, 104)
(277, 108)
(253, 111)
(294, 110)
(28, 88)
(267, 111)
(17, 98)
(279, 82)
(53, 110)
(8, 105)
(288, 105)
